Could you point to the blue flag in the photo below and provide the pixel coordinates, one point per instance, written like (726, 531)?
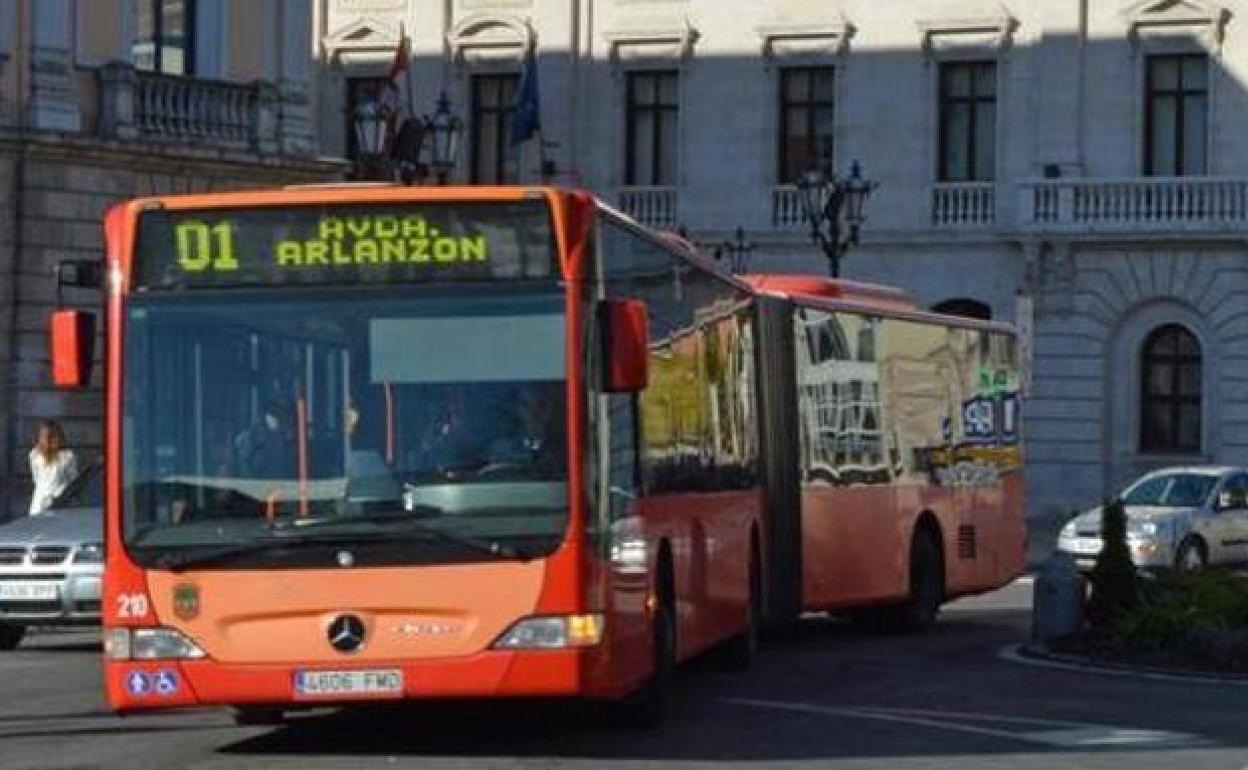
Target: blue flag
(526, 116)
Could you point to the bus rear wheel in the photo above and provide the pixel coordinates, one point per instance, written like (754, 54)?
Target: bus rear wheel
(739, 652)
(927, 590)
(11, 635)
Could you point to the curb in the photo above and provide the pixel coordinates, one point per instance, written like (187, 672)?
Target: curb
(1040, 656)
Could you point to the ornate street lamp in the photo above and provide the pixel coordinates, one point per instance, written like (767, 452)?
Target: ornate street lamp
(737, 252)
(419, 145)
(373, 119)
(444, 129)
(826, 200)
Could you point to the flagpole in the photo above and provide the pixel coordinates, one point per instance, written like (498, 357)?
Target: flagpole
(407, 71)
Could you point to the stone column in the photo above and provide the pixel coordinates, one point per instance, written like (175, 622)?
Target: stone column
(118, 92)
(52, 103)
(294, 80)
(265, 121)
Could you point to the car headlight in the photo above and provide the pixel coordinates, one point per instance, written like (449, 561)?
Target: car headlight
(89, 553)
(1144, 529)
(553, 633)
(149, 644)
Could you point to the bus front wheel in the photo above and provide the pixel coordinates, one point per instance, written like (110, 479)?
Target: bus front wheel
(646, 707)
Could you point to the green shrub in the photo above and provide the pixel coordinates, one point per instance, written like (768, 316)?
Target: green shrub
(1115, 582)
(1194, 619)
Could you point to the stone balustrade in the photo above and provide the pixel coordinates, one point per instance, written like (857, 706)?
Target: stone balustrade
(651, 206)
(786, 207)
(964, 204)
(1142, 204)
(250, 117)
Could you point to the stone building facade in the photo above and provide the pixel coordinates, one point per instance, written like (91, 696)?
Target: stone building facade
(100, 100)
(1075, 166)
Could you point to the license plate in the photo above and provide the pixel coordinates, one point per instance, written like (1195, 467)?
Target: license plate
(319, 684)
(28, 591)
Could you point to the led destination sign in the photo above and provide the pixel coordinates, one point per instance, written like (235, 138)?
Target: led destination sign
(344, 244)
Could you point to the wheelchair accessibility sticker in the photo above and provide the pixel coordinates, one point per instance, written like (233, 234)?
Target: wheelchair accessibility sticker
(141, 684)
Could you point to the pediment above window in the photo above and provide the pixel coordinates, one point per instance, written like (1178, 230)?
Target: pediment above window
(658, 43)
(490, 37)
(1199, 19)
(362, 45)
(789, 39)
(991, 33)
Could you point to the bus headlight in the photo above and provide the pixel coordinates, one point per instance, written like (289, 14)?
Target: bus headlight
(552, 633)
(149, 644)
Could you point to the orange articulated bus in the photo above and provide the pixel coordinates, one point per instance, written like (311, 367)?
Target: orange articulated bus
(370, 443)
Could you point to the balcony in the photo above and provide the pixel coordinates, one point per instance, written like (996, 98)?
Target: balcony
(964, 205)
(786, 207)
(651, 206)
(189, 111)
(1145, 204)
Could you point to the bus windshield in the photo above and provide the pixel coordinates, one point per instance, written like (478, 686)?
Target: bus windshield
(408, 427)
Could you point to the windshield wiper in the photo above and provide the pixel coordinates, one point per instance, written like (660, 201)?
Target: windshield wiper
(411, 520)
(183, 561)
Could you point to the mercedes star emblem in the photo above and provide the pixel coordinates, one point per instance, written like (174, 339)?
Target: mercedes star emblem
(346, 633)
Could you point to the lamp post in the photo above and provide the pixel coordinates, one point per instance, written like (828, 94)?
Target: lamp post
(826, 200)
(737, 251)
(409, 151)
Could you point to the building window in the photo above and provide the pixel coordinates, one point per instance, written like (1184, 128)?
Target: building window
(493, 102)
(965, 307)
(361, 91)
(1176, 125)
(1170, 391)
(806, 119)
(968, 122)
(651, 110)
(164, 34)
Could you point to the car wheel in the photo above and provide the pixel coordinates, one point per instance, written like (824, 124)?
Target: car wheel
(1191, 556)
(11, 635)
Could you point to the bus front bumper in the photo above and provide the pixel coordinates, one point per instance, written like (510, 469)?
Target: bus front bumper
(142, 685)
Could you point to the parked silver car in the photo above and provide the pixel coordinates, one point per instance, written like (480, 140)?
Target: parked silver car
(51, 564)
(1180, 518)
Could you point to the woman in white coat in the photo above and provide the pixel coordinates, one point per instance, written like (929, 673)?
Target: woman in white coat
(52, 466)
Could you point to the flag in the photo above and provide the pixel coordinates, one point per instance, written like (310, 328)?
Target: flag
(526, 115)
(402, 53)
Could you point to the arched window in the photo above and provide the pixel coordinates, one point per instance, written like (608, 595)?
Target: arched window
(1170, 391)
(965, 307)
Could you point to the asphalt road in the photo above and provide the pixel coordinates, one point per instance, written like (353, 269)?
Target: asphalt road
(828, 695)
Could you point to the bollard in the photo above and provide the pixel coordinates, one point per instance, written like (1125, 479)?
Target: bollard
(1057, 599)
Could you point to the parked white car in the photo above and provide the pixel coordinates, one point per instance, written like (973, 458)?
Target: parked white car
(1180, 518)
(51, 565)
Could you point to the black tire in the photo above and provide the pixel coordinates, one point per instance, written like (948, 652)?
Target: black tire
(927, 590)
(739, 652)
(259, 716)
(647, 707)
(11, 635)
(1191, 555)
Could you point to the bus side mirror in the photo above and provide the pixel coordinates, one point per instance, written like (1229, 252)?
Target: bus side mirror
(72, 337)
(626, 345)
